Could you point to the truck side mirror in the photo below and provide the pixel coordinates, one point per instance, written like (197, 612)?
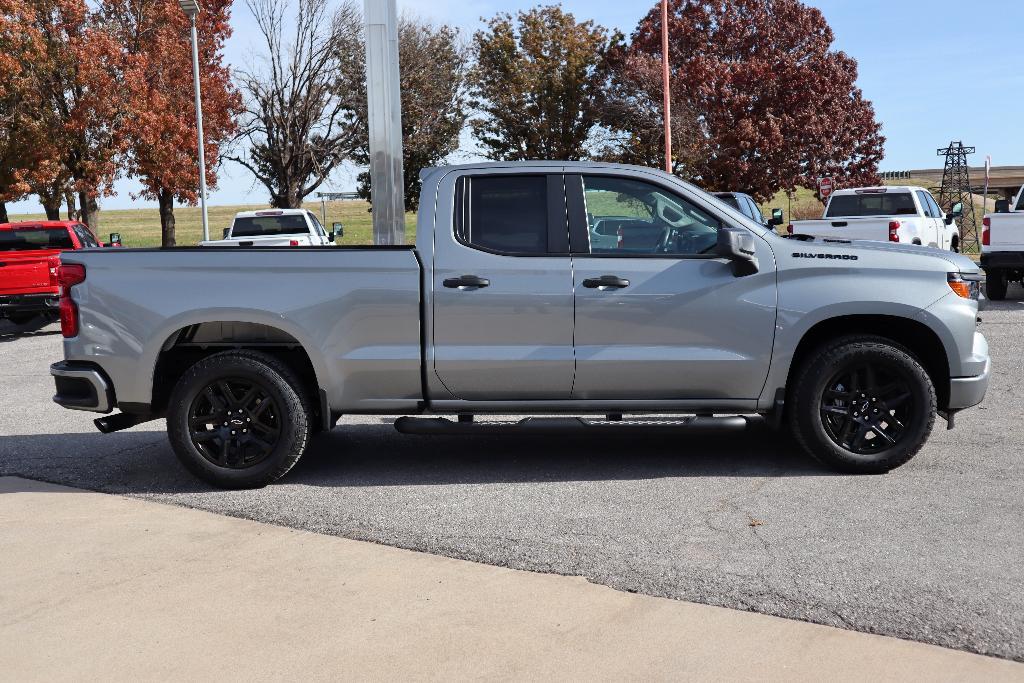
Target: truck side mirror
(226, 231)
(339, 229)
(1002, 206)
(777, 218)
(955, 211)
(115, 239)
(737, 245)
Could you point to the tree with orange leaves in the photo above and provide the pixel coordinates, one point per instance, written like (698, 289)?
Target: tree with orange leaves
(161, 126)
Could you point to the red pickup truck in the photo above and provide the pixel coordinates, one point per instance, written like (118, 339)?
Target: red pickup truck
(29, 256)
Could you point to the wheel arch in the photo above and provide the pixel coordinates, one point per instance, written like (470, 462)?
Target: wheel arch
(187, 344)
(919, 339)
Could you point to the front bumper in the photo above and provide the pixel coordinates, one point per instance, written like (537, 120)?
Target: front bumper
(965, 392)
(14, 304)
(82, 386)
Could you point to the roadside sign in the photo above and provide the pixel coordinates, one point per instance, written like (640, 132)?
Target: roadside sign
(824, 187)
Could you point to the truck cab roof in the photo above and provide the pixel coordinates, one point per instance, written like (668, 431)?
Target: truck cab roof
(878, 189)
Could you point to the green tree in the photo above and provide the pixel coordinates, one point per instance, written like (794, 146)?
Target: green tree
(536, 84)
(432, 72)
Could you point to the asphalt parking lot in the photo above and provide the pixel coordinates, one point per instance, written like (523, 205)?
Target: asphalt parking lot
(931, 552)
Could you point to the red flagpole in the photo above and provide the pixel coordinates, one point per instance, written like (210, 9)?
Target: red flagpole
(665, 86)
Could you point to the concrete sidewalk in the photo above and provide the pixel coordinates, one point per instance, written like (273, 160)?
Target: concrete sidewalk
(98, 586)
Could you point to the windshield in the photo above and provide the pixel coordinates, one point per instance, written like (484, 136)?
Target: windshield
(882, 204)
(261, 226)
(28, 239)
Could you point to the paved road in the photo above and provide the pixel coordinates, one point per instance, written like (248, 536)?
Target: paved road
(931, 552)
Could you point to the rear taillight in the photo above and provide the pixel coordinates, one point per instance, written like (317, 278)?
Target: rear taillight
(53, 263)
(293, 243)
(69, 275)
(789, 228)
(893, 227)
(986, 231)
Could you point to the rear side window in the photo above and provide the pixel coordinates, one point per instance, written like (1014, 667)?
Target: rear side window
(259, 226)
(27, 239)
(505, 214)
(880, 204)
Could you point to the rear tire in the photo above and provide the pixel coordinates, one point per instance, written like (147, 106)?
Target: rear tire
(862, 405)
(239, 419)
(995, 284)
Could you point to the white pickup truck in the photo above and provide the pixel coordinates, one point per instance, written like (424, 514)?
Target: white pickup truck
(276, 228)
(886, 214)
(1002, 246)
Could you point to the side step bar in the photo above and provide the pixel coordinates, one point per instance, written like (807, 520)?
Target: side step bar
(684, 424)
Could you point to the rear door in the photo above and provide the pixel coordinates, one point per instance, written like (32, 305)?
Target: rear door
(502, 290)
(658, 315)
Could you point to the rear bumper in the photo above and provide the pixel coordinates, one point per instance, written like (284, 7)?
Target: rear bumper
(82, 386)
(28, 303)
(1002, 259)
(965, 392)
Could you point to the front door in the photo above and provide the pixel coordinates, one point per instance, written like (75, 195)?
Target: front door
(658, 316)
(502, 290)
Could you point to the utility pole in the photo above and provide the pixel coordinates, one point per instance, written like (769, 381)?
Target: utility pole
(665, 86)
(384, 110)
(191, 8)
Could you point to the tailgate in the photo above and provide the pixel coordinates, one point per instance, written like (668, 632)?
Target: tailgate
(26, 272)
(846, 228)
(1006, 231)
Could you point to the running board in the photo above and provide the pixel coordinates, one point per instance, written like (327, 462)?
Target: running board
(686, 424)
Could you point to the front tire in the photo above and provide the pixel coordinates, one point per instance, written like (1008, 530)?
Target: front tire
(862, 405)
(239, 419)
(995, 284)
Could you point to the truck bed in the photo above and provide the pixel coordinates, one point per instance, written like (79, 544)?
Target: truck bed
(356, 310)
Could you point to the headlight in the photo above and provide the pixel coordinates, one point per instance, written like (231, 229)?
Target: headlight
(966, 285)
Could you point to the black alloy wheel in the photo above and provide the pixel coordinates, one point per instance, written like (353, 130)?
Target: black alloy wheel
(865, 408)
(234, 423)
(240, 419)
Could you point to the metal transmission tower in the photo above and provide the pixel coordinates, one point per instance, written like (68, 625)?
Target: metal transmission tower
(956, 187)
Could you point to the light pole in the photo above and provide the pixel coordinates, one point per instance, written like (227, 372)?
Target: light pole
(191, 10)
(665, 86)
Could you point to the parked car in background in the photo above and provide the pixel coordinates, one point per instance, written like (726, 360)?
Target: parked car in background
(275, 228)
(507, 305)
(885, 214)
(29, 256)
(1002, 246)
(746, 205)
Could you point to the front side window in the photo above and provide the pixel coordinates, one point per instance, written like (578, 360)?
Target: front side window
(629, 217)
(319, 229)
(936, 211)
(755, 211)
(85, 237)
(505, 214)
(925, 206)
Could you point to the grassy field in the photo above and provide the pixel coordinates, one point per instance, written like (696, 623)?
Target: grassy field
(141, 227)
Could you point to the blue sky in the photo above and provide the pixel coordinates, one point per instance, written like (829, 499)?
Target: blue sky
(936, 70)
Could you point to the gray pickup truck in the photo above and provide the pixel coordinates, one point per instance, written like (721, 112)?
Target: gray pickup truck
(545, 289)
